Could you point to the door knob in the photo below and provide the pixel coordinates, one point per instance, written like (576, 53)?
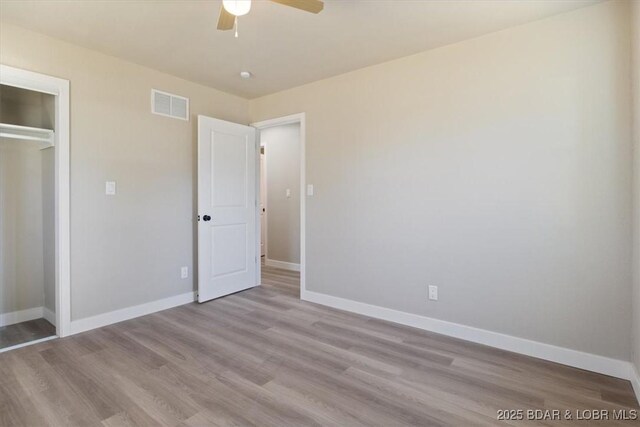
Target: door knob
(206, 218)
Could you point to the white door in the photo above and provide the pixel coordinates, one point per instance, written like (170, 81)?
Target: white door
(263, 205)
(227, 208)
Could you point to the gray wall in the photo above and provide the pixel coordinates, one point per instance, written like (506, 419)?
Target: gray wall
(126, 249)
(282, 151)
(49, 226)
(497, 168)
(26, 108)
(21, 227)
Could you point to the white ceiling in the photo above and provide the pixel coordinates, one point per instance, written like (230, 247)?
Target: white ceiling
(283, 47)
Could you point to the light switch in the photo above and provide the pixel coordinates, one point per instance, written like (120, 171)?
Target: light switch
(110, 188)
(288, 193)
(310, 190)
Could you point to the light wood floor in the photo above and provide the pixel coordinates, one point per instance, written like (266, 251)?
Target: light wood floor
(23, 332)
(262, 357)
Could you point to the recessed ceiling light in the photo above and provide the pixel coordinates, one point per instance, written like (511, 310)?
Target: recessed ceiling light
(245, 74)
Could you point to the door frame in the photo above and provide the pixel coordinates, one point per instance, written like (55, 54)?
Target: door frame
(266, 218)
(280, 121)
(60, 89)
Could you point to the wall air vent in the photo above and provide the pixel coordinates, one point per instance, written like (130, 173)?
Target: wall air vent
(169, 105)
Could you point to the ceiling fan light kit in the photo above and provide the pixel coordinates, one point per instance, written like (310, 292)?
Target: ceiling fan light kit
(231, 9)
(237, 7)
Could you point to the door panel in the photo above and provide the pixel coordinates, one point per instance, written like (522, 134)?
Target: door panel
(227, 258)
(229, 170)
(228, 249)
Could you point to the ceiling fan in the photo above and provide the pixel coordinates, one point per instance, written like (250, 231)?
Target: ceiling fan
(231, 9)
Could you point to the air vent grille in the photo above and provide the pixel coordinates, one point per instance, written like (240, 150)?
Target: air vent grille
(169, 105)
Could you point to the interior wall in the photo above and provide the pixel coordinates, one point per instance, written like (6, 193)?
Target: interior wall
(635, 25)
(125, 249)
(497, 168)
(48, 167)
(282, 151)
(21, 228)
(26, 108)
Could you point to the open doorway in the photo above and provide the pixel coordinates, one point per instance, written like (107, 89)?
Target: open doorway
(282, 197)
(34, 208)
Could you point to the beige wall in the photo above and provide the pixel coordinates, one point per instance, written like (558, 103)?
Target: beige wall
(21, 227)
(497, 169)
(282, 151)
(635, 25)
(127, 249)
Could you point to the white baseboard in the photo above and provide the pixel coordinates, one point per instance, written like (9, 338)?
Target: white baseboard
(591, 362)
(100, 320)
(635, 382)
(14, 317)
(282, 264)
(49, 316)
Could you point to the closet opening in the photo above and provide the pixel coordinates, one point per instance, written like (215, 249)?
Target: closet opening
(27, 228)
(33, 215)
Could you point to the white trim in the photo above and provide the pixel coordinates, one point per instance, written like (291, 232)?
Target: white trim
(20, 316)
(282, 264)
(25, 344)
(109, 318)
(258, 215)
(635, 381)
(34, 313)
(591, 362)
(266, 199)
(60, 88)
(286, 120)
(49, 315)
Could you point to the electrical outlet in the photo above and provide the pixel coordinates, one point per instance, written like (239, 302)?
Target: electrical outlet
(433, 293)
(184, 272)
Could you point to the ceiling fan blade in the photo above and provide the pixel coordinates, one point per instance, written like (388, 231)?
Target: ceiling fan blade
(226, 20)
(313, 6)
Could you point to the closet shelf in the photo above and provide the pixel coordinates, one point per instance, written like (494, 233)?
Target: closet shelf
(43, 137)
